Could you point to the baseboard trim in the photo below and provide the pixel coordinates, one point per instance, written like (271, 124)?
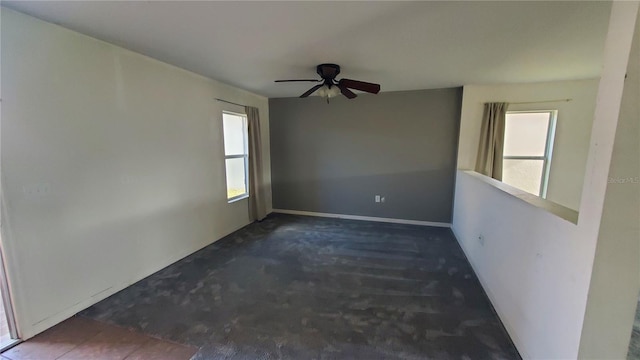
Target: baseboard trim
(363, 218)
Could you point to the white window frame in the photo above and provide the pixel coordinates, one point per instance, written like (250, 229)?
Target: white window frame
(244, 156)
(548, 150)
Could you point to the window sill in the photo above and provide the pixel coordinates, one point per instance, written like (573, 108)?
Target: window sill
(549, 206)
(236, 199)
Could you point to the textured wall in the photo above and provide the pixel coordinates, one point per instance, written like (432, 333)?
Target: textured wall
(334, 158)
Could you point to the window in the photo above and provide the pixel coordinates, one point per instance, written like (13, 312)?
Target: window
(528, 143)
(236, 155)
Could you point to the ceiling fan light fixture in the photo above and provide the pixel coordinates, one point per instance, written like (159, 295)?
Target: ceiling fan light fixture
(327, 92)
(329, 87)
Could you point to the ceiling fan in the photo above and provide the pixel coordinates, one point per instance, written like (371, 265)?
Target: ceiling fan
(329, 87)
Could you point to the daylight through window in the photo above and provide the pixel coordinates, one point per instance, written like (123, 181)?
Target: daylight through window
(528, 144)
(236, 155)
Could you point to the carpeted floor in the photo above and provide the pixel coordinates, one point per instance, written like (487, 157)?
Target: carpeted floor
(634, 344)
(294, 287)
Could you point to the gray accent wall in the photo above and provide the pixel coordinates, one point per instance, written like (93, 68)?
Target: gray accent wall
(334, 158)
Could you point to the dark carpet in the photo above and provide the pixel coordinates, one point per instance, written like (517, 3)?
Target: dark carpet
(634, 344)
(294, 287)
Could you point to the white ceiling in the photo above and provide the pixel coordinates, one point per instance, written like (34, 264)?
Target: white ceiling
(401, 45)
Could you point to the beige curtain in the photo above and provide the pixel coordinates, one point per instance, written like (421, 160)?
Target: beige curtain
(257, 206)
(491, 146)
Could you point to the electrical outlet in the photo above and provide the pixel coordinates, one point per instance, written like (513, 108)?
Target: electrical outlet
(382, 199)
(377, 198)
(481, 239)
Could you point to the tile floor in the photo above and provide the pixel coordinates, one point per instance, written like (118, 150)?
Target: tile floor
(80, 338)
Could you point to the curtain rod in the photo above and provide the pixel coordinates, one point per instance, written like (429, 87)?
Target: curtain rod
(229, 102)
(540, 102)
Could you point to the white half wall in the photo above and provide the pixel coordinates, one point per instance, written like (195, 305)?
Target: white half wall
(532, 266)
(536, 267)
(112, 167)
(573, 129)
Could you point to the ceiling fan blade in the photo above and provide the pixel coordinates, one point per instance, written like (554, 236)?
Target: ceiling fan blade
(360, 85)
(346, 92)
(310, 91)
(299, 80)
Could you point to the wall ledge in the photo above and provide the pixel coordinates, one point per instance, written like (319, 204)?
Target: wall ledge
(560, 211)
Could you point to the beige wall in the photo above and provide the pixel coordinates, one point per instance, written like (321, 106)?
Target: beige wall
(112, 167)
(573, 129)
(536, 267)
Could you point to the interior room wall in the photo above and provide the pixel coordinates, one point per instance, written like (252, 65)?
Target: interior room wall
(615, 283)
(531, 264)
(112, 167)
(573, 128)
(535, 266)
(334, 158)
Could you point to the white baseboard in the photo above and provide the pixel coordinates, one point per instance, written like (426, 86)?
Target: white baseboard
(364, 218)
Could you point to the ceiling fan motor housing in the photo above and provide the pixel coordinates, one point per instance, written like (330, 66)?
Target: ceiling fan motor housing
(328, 71)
